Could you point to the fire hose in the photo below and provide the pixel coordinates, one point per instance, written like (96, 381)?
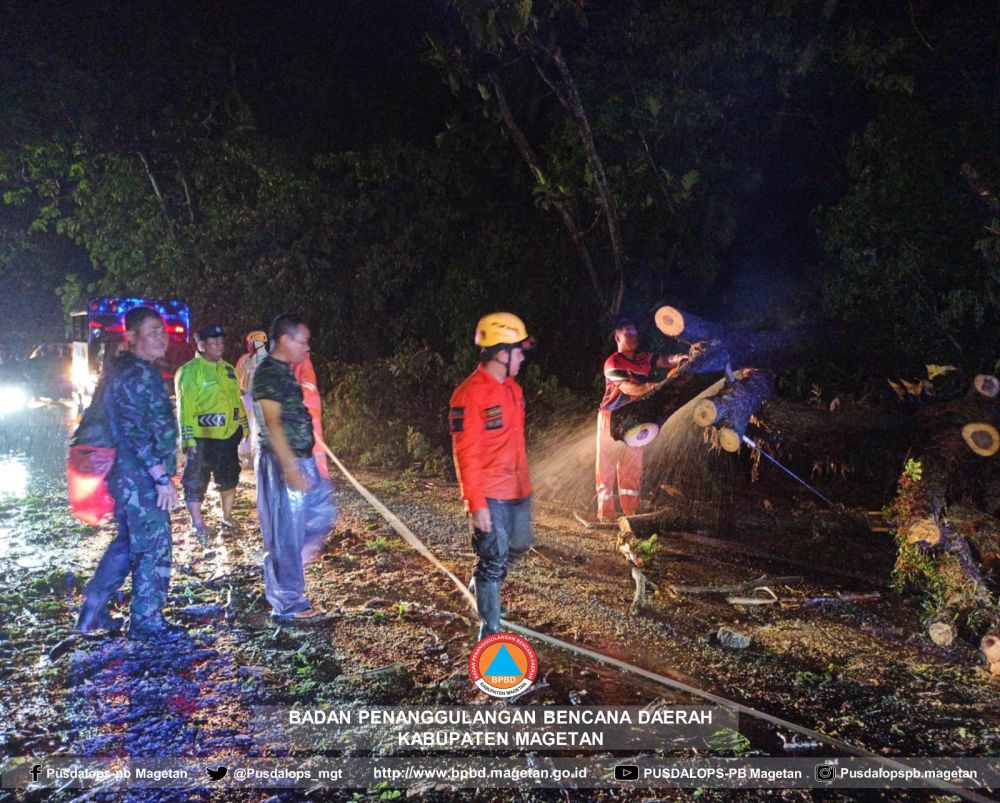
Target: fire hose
(410, 538)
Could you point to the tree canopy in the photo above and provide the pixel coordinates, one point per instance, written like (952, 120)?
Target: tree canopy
(395, 170)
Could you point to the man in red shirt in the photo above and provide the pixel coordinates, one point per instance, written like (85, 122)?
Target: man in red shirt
(486, 421)
(628, 374)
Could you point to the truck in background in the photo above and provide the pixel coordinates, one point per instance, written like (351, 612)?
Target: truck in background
(98, 336)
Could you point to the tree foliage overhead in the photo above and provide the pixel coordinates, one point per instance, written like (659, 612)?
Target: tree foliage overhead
(576, 161)
(909, 244)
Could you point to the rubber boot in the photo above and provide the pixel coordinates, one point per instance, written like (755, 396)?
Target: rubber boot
(156, 628)
(504, 611)
(488, 605)
(94, 618)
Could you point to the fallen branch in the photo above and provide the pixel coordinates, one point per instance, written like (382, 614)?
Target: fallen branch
(640, 579)
(768, 598)
(410, 608)
(736, 589)
(804, 602)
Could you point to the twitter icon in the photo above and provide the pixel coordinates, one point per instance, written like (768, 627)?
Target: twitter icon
(217, 775)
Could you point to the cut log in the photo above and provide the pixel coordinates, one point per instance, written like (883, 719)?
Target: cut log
(770, 349)
(737, 401)
(925, 531)
(705, 412)
(674, 323)
(641, 434)
(982, 438)
(730, 410)
(942, 633)
(730, 440)
(987, 385)
(990, 645)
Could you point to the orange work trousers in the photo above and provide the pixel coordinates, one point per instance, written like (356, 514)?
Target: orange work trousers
(616, 460)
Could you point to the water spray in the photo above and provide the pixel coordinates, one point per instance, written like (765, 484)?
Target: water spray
(753, 445)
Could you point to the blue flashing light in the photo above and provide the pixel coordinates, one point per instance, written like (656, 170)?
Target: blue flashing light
(171, 309)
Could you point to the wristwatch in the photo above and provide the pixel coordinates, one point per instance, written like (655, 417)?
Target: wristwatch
(163, 479)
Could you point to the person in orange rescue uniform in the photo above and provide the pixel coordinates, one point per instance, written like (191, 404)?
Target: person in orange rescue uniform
(628, 374)
(305, 375)
(486, 421)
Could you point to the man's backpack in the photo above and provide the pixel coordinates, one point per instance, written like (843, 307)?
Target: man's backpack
(91, 457)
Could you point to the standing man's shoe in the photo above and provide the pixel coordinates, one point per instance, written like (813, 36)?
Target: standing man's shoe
(157, 630)
(96, 620)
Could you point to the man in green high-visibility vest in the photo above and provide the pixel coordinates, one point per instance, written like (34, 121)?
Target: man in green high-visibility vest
(213, 422)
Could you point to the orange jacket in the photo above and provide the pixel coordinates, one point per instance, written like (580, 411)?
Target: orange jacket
(486, 420)
(305, 375)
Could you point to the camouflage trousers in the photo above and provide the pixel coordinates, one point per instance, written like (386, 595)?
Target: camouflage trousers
(142, 547)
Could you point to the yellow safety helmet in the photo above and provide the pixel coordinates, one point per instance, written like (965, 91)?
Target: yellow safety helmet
(502, 329)
(255, 337)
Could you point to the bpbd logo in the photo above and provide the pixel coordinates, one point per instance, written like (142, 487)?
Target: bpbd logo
(503, 665)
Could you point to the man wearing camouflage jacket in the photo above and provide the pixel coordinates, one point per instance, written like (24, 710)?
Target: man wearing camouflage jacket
(145, 430)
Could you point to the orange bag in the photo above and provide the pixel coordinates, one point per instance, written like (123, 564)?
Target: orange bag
(87, 470)
(91, 457)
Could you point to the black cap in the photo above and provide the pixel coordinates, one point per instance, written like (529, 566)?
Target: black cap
(210, 331)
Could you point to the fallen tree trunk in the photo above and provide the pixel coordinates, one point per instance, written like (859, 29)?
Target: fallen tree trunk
(707, 517)
(948, 552)
(626, 534)
(774, 350)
